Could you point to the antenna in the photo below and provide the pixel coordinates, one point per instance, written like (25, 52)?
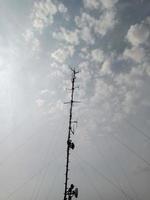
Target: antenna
(71, 191)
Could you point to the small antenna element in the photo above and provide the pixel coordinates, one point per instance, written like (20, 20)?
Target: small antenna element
(70, 191)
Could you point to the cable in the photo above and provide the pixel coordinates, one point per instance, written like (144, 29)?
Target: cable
(130, 185)
(53, 182)
(105, 177)
(12, 134)
(125, 175)
(136, 128)
(8, 135)
(130, 149)
(27, 181)
(34, 190)
(46, 158)
(20, 146)
(86, 175)
(119, 185)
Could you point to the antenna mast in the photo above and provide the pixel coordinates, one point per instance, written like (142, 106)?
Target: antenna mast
(71, 191)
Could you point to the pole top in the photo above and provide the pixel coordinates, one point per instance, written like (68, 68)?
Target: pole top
(74, 70)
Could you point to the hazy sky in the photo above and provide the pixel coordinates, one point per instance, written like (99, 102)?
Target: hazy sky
(109, 42)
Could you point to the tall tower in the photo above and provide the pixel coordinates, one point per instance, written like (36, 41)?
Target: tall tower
(70, 191)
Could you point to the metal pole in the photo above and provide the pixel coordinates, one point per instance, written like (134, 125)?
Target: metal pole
(69, 134)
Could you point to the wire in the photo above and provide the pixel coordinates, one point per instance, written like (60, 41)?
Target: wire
(105, 177)
(125, 175)
(136, 128)
(34, 190)
(33, 176)
(9, 135)
(119, 185)
(53, 182)
(17, 126)
(27, 181)
(17, 148)
(20, 146)
(90, 180)
(46, 170)
(130, 149)
(130, 185)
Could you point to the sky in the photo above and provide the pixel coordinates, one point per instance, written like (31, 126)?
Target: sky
(108, 41)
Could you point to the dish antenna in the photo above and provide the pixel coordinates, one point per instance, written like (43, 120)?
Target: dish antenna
(70, 192)
(76, 192)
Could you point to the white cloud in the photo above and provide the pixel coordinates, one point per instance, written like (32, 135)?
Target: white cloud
(98, 4)
(86, 35)
(94, 55)
(94, 4)
(28, 35)
(109, 89)
(68, 36)
(116, 95)
(84, 20)
(61, 54)
(97, 55)
(102, 91)
(137, 54)
(84, 77)
(130, 80)
(146, 67)
(43, 13)
(44, 91)
(85, 24)
(113, 64)
(62, 8)
(55, 107)
(106, 67)
(92, 25)
(105, 23)
(139, 33)
(108, 3)
(32, 40)
(35, 44)
(40, 102)
(113, 96)
(106, 104)
(128, 101)
(106, 98)
(84, 53)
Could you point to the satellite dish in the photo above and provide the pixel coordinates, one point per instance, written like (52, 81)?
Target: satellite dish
(76, 192)
(71, 186)
(72, 145)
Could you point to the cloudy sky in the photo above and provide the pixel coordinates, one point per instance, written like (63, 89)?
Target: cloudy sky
(108, 41)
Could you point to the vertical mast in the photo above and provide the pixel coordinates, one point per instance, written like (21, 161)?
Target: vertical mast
(70, 192)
